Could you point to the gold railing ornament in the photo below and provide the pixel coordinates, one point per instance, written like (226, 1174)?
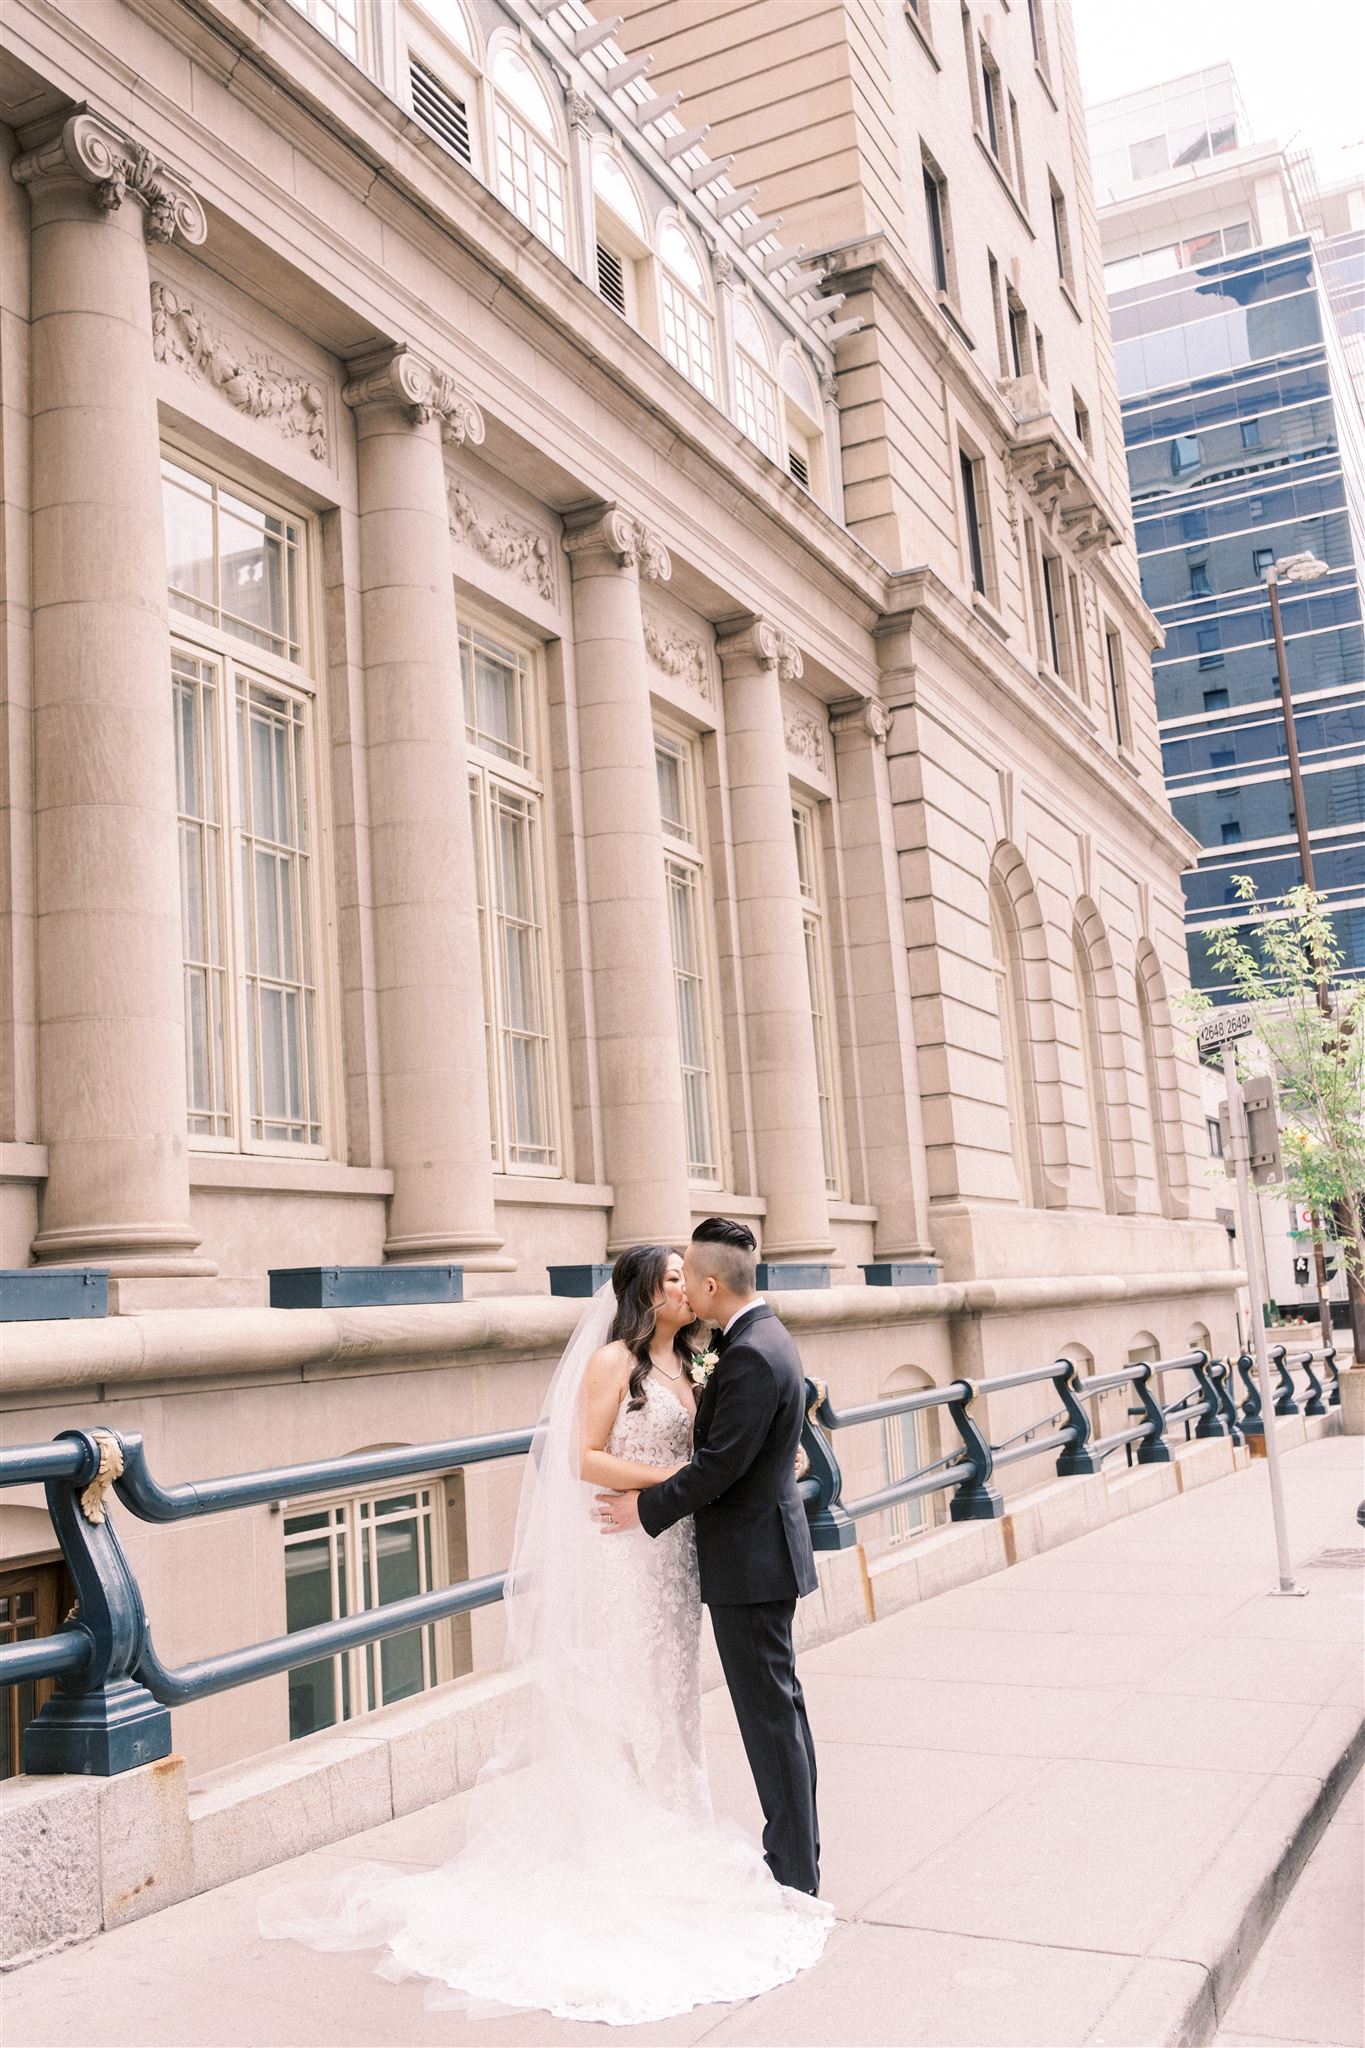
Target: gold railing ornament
(110, 1469)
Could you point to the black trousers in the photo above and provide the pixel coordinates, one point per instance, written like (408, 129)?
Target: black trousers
(755, 1644)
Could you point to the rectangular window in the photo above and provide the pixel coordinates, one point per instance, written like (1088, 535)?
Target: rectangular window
(1040, 355)
(990, 101)
(1215, 1131)
(805, 824)
(1021, 360)
(1209, 640)
(1017, 140)
(1199, 580)
(1037, 29)
(1054, 612)
(1082, 418)
(342, 1559)
(338, 20)
(1262, 561)
(1061, 233)
(1118, 687)
(530, 179)
(756, 405)
(933, 209)
(507, 802)
(242, 712)
(903, 1457)
(684, 881)
(972, 477)
(687, 336)
(1002, 345)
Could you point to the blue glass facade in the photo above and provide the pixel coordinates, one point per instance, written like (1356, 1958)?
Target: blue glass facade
(1244, 444)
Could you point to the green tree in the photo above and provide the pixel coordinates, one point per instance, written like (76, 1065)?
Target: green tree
(1283, 962)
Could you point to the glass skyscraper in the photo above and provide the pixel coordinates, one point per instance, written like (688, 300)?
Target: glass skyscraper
(1245, 443)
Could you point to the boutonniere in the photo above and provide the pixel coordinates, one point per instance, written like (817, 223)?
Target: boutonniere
(703, 1365)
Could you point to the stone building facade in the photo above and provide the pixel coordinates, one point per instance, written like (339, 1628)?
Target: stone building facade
(537, 710)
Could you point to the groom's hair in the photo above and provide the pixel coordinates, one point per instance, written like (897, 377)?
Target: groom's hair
(728, 1252)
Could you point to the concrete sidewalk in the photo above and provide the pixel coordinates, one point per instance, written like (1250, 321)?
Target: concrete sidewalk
(1061, 1805)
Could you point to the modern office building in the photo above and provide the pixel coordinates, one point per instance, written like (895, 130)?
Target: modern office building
(1236, 295)
(537, 711)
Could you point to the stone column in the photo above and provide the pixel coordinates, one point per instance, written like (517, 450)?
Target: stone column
(879, 988)
(756, 658)
(429, 994)
(111, 1035)
(643, 1131)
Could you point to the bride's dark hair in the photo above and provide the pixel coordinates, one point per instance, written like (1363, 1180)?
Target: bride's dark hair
(637, 1279)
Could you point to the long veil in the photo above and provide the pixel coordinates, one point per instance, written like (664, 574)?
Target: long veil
(588, 1884)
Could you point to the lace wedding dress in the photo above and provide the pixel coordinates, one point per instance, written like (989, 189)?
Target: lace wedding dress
(595, 1882)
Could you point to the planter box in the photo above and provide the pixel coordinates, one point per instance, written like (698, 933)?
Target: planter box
(579, 1281)
(903, 1273)
(778, 1276)
(38, 1294)
(364, 1286)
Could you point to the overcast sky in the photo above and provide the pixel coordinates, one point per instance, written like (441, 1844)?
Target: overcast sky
(1305, 84)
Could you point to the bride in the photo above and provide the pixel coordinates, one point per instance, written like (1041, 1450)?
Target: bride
(595, 1882)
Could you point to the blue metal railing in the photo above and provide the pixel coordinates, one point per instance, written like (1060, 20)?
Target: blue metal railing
(110, 1711)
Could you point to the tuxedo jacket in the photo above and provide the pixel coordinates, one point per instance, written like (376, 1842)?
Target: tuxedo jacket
(753, 1541)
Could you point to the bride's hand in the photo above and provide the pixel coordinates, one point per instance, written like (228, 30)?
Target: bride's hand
(618, 1512)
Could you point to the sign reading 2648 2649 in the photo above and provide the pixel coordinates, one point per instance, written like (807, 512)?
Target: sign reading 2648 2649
(1225, 1026)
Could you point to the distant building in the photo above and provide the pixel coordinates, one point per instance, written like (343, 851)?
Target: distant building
(1237, 301)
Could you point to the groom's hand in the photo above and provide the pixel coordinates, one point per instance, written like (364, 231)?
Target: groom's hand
(618, 1511)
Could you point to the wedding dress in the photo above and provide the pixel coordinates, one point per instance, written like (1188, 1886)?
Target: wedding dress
(595, 1883)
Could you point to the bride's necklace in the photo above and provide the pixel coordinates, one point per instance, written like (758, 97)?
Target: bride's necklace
(665, 1371)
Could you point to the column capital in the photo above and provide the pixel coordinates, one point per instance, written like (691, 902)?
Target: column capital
(612, 530)
(397, 375)
(755, 642)
(578, 109)
(862, 714)
(87, 148)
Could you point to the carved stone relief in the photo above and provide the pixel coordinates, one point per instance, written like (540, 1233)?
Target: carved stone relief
(806, 740)
(502, 540)
(115, 164)
(678, 654)
(248, 379)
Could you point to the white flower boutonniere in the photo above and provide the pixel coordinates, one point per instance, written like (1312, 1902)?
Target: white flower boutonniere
(704, 1364)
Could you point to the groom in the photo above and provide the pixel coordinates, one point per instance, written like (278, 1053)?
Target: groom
(753, 1544)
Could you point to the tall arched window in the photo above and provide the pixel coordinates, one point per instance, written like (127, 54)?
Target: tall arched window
(622, 238)
(688, 326)
(755, 391)
(802, 420)
(1092, 1062)
(1013, 1041)
(528, 154)
(1161, 1171)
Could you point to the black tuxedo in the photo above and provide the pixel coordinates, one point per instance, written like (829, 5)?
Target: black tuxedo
(755, 1560)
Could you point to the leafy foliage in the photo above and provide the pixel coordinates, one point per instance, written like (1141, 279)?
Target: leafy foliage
(1310, 1030)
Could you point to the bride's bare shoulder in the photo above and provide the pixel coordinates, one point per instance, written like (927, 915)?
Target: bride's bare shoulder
(610, 1366)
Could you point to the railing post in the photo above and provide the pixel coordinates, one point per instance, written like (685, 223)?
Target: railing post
(831, 1528)
(1153, 1449)
(1220, 1372)
(1314, 1405)
(1252, 1422)
(99, 1723)
(1285, 1404)
(1077, 1460)
(975, 1500)
(1330, 1361)
(1210, 1422)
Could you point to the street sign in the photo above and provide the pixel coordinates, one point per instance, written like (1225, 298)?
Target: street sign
(1225, 1026)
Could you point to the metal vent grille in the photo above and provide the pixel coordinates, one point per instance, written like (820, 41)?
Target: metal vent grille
(441, 111)
(799, 467)
(611, 278)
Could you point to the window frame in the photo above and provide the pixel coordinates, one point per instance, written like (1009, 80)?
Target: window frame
(703, 328)
(1117, 676)
(357, 1675)
(1061, 235)
(299, 684)
(973, 487)
(503, 109)
(690, 854)
(808, 822)
(526, 782)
